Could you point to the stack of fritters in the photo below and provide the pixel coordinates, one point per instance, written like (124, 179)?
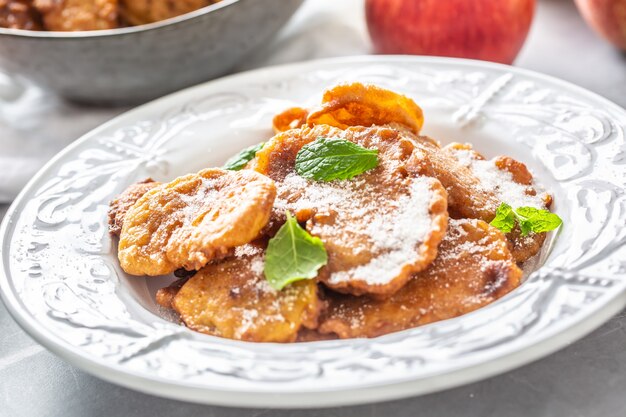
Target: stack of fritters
(408, 242)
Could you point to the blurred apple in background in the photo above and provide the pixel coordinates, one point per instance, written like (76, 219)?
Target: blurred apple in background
(492, 30)
(607, 17)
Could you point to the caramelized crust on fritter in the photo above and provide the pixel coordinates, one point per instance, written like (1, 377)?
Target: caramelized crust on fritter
(473, 268)
(193, 220)
(77, 15)
(19, 14)
(233, 299)
(292, 118)
(119, 206)
(379, 227)
(359, 104)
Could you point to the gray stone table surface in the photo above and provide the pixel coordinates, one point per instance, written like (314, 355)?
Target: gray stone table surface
(588, 378)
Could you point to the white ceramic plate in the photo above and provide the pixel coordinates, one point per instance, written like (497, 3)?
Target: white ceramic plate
(62, 283)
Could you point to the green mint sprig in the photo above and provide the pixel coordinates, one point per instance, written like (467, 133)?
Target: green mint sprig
(530, 219)
(240, 160)
(329, 159)
(293, 255)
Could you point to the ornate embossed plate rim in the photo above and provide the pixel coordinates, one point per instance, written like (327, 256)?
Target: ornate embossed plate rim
(500, 360)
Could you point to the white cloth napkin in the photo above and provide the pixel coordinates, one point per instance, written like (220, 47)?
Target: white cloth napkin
(35, 125)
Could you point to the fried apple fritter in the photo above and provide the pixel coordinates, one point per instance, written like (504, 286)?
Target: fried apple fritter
(359, 104)
(165, 295)
(233, 299)
(19, 14)
(193, 220)
(140, 12)
(119, 206)
(509, 181)
(459, 181)
(379, 227)
(292, 118)
(474, 268)
(77, 15)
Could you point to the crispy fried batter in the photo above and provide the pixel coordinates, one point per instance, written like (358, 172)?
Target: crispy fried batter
(233, 299)
(165, 296)
(473, 268)
(308, 335)
(193, 220)
(508, 181)
(76, 15)
(292, 118)
(19, 14)
(525, 247)
(459, 181)
(119, 206)
(140, 12)
(359, 104)
(379, 227)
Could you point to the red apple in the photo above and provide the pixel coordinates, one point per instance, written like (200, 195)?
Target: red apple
(492, 30)
(607, 17)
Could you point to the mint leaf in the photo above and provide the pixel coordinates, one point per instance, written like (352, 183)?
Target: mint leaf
(505, 218)
(530, 219)
(538, 221)
(240, 160)
(293, 255)
(328, 159)
(525, 226)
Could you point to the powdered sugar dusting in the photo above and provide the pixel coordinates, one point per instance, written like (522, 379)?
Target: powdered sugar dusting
(248, 250)
(395, 234)
(296, 193)
(198, 202)
(257, 265)
(499, 181)
(248, 318)
(462, 245)
(389, 226)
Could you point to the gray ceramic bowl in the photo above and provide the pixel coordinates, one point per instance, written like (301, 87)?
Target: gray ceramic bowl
(140, 63)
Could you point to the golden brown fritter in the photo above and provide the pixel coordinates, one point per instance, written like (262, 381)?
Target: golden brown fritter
(508, 181)
(524, 247)
(140, 12)
(462, 185)
(233, 299)
(379, 227)
(473, 268)
(119, 206)
(193, 220)
(359, 104)
(77, 15)
(165, 295)
(19, 14)
(292, 118)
